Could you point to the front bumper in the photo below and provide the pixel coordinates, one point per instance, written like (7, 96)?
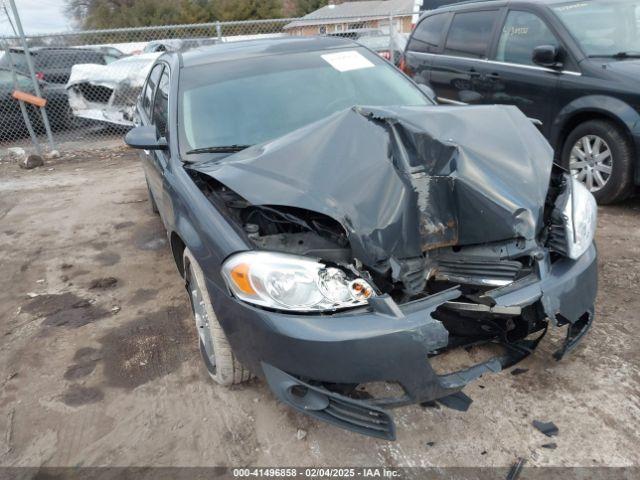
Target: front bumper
(297, 354)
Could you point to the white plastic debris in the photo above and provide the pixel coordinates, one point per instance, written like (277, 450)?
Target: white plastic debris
(16, 152)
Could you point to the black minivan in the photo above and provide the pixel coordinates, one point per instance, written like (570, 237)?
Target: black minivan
(572, 67)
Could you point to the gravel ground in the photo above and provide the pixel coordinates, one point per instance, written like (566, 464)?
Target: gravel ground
(99, 362)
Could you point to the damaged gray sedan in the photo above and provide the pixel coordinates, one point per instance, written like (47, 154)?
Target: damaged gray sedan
(337, 231)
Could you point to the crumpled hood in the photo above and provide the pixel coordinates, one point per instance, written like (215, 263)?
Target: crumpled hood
(404, 180)
(629, 69)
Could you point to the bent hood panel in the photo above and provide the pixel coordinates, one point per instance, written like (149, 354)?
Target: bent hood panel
(403, 180)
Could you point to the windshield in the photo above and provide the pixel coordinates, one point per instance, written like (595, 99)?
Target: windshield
(249, 101)
(6, 80)
(19, 61)
(603, 27)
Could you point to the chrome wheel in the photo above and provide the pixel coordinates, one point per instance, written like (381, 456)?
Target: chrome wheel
(591, 162)
(203, 324)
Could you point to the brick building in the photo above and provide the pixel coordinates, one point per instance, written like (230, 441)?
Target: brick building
(350, 17)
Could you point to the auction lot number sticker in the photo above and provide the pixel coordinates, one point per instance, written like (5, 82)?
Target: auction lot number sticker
(347, 61)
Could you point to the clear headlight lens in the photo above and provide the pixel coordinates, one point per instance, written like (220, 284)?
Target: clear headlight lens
(580, 217)
(293, 283)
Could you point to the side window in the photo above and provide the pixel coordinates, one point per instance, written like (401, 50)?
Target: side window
(161, 104)
(522, 32)
(428, 34)
(149, 89)
(470, 34)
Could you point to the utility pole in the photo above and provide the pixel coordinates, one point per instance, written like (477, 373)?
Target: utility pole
(32, 72)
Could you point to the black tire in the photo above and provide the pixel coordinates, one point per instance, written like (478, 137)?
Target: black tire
(619, 184)
(227, 369)
(152, 202)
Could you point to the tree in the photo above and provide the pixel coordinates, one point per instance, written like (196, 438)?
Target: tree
(136, 13)
(248, 9)
(307, 6)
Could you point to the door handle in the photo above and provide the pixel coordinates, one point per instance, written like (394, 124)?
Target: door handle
(473, 72)
(493, 76)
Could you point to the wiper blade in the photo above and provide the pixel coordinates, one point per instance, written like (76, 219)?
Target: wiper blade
(619, 55)
(219, 149)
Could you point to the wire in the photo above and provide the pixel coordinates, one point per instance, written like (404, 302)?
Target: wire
(6, 12)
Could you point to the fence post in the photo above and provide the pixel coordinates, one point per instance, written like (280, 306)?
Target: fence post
(219, 30)
(23, 108)
(36, 86)
(391, 18)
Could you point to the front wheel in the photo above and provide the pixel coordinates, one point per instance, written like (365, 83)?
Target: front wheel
(218, 358)
(599, 154)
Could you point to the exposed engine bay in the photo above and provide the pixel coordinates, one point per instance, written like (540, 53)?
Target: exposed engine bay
(438, 209)
(474, 269)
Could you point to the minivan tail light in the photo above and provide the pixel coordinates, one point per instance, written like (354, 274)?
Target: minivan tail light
(40, 76)
(402, 65)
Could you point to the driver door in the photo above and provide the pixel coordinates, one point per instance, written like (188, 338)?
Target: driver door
(514, 78)
(153, 102)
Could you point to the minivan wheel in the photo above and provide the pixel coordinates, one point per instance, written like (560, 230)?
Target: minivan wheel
(218, 358)
(600, 155)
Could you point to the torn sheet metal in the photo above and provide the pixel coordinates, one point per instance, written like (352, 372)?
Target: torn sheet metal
(404, 180)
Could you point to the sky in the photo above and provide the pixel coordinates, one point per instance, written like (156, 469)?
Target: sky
(38, 16)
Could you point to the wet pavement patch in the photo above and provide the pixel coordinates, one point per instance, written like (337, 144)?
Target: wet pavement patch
(74, 372)
(77, 395)
(121, 225)
(99, 245)
(100, 283)
(86, 360)
(149, 347)
(143, 295)
(87, 354)
(107, 258)
(150, 236)
(64, 309)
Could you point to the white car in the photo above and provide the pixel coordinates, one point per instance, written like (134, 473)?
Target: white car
(108, 93)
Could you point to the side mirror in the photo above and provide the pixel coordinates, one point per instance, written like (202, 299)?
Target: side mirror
(546, 56)
(145, 137)
(428, 91)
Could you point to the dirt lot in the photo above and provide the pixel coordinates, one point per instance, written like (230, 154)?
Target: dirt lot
(99, 363)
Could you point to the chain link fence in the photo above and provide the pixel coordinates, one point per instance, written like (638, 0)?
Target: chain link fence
(91, 79)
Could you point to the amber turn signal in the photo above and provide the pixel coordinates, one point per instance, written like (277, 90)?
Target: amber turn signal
(240, 276)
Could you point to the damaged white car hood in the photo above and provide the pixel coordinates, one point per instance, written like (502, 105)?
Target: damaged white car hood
(108, 93)
(132, 70)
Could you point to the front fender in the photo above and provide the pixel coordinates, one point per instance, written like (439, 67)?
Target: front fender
(200, 226)
(604, 105)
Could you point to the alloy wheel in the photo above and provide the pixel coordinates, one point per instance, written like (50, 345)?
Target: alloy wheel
(591, 162)
(203, 325)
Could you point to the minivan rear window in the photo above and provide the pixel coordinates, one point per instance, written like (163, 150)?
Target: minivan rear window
(428, 34)
(470, 34)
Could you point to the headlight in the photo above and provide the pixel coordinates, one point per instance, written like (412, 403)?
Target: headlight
(293, 283)
(580, 215)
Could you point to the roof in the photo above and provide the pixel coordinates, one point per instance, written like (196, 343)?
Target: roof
(462, 5)
(354, 11)
(52, 49)
(259, 48)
